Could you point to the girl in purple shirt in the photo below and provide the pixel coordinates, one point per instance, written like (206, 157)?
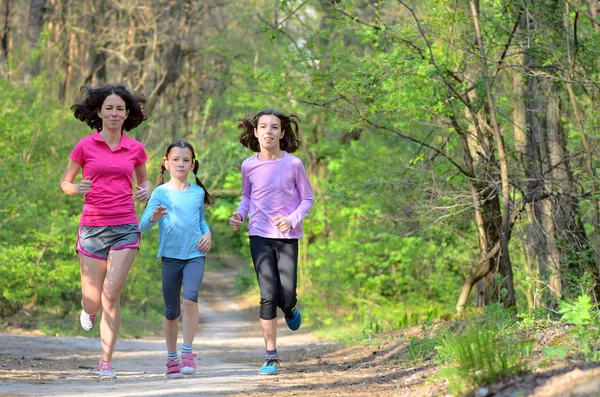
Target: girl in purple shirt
(277, 195)
(109, 235)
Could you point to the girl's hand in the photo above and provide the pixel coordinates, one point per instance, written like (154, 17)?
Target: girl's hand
(204, 242)
(158, 213)
(235, 221)
(84, 186)
(142, 194)
(282, 223)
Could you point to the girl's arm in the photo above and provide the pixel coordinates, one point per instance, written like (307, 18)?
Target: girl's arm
(203, 225)
(306, 197)
(244, 208)
(145, 222)
(205, 241)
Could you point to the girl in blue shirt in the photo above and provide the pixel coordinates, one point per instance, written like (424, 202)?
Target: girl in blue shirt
(184, 238)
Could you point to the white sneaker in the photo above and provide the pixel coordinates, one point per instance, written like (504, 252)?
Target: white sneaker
(87, 321)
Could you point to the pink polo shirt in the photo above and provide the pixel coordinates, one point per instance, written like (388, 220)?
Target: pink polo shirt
(271, 188)
(110, 199)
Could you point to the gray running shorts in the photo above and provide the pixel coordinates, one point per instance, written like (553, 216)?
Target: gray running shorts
(97, 241)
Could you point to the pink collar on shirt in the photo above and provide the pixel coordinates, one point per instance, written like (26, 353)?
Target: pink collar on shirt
(124, 143)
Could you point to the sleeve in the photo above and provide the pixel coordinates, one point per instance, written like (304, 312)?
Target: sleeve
(203, 225)
(306, 196)
(145, 224)
(141, 157)
(77, 154)
(244, 208)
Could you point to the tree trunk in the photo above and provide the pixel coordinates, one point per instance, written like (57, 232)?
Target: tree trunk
(35, 23)
(96, 59)
(5, 39)
(67, 42)
(505, 266)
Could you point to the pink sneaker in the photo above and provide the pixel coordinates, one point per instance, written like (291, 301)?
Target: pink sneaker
(106, 372)
(188, 364)
(173, 369)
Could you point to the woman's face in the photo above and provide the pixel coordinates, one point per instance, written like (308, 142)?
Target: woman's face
(113, 112)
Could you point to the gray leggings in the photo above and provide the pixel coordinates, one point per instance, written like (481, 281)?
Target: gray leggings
(276, 266)
(175, 272)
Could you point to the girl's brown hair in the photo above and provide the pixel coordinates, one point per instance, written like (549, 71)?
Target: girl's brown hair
(208, 198)
(289, 125)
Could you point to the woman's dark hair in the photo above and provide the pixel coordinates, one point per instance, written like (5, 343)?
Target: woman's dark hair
(91, 99)
(208, 198)
(289, 125)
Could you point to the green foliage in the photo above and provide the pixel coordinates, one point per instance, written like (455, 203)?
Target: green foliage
(38, 226)
(586, 327)
(484, 350)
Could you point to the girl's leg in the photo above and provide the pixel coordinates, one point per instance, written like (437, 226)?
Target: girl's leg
(269, 328)
(118, 264)
(193, 272)
(170, 330)
(287, 266)
(93, 272)
(192, 278)
(264, 257)
(191, 316)
(172, 276)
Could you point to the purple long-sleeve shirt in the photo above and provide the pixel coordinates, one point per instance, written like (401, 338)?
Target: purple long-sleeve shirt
(271, 188)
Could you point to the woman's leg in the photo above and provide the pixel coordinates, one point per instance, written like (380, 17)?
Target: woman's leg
(118, 264)
(93, 272)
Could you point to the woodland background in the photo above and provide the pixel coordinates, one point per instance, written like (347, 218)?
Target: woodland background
(452, 145)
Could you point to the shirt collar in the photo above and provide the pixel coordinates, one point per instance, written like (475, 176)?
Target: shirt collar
(125, 141)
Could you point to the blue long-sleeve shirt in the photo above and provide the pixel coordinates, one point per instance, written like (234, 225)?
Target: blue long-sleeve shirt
(180, 230)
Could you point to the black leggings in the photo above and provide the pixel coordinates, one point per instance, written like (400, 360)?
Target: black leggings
(276, 266)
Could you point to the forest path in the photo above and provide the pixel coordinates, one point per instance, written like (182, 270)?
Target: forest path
(229, 348)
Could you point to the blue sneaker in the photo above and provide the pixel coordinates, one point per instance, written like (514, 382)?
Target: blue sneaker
(293, 319)
(269, 367)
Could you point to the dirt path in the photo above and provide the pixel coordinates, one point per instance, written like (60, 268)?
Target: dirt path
(229, 346)
(230, 349)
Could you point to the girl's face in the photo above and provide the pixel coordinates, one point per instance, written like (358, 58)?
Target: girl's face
(180, 162)
(269, 132)
(113, 112)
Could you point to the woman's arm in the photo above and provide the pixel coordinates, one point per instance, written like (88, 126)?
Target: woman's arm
(66, 183)
(144, 186)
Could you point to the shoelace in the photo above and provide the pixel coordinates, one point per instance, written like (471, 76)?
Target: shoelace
(270, 361)
(105, 366)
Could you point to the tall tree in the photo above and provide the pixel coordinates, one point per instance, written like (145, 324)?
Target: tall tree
(35, 24)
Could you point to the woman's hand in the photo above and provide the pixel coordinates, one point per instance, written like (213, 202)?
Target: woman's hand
(85, 185)
(142, 193)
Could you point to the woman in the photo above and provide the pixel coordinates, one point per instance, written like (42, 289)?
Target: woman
(109, 235)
